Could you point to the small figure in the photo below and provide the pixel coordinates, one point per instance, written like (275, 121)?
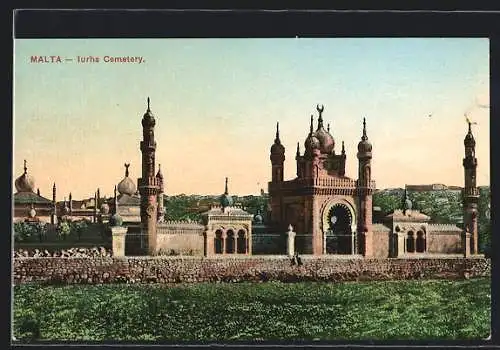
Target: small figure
(298, 259)
(292, 260)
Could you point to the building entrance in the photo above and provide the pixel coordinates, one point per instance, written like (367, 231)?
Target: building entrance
(339, 238)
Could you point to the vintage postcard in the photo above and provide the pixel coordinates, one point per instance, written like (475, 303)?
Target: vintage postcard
(213, 190)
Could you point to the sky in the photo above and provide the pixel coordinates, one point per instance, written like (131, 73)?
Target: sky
(217, 101)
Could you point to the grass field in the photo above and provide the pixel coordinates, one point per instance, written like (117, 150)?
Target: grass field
(432, 309)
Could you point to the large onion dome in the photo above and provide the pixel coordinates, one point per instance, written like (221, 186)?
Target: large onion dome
(127, 186)
(25, 182)
(326, 141)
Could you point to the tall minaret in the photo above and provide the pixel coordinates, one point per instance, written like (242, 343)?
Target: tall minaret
(148, 183)
(53, 217)
(277, 158)
(470, 196)
(365, 234)
(70, 205)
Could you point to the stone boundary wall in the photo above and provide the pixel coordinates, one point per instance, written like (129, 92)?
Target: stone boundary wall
(255, 269)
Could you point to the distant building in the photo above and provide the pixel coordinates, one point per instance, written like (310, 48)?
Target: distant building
(30, 206)
(433, 187)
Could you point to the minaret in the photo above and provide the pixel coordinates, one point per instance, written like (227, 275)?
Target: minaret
(161, 209)
(53, 217)
(70, 205)
(148, 183)
(470, 196)
(365, 191)
(277, 157)
(298, 159)
(95, 206)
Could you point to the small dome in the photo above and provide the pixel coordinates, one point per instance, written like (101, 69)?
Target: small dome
(105, 208)
(258, 219)
(469, 140)
(115, 220)
(25, 182)
(127, 186)
(225, 199)
(364, 146)
(277, 148)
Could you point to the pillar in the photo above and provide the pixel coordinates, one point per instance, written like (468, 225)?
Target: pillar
(290, 247)
(118, 233)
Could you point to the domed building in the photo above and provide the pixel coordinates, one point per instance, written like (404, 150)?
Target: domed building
(228, 228)
(30, 205)
(128, 198)
(330, 211)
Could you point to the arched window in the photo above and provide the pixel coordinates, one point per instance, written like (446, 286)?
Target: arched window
(241, 246)
(230, 241)
(218, 242)
(410, 243)
(420, 242)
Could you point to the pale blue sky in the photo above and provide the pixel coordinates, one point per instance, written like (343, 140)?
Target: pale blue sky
(217, 102)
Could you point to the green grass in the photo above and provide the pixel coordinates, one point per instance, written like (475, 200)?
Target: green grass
(432, 309)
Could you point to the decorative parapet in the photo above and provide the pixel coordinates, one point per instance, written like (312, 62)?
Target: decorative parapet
(319, 182)
(180, 227)
(443, 227)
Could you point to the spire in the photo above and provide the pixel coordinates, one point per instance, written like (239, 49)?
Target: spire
(226, 189)
(311, 126)
(364, 137)
(320, 118)
(149, 110)
(343, 148)
(277, 139)
(298, 149)
(407, 204)
(116, 200)
(26, 169)
(54, 193)
(328, 127)
(158, 174)
(126, 169)
(38, 191)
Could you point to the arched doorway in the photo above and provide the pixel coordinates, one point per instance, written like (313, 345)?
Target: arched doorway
(339, 235)
(218, 242)
(420, 246)
(410, 242)
(241, 242)
(230, 241)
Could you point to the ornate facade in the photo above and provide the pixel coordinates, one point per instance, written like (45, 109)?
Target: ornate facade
(228, 228)
(331, 213)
